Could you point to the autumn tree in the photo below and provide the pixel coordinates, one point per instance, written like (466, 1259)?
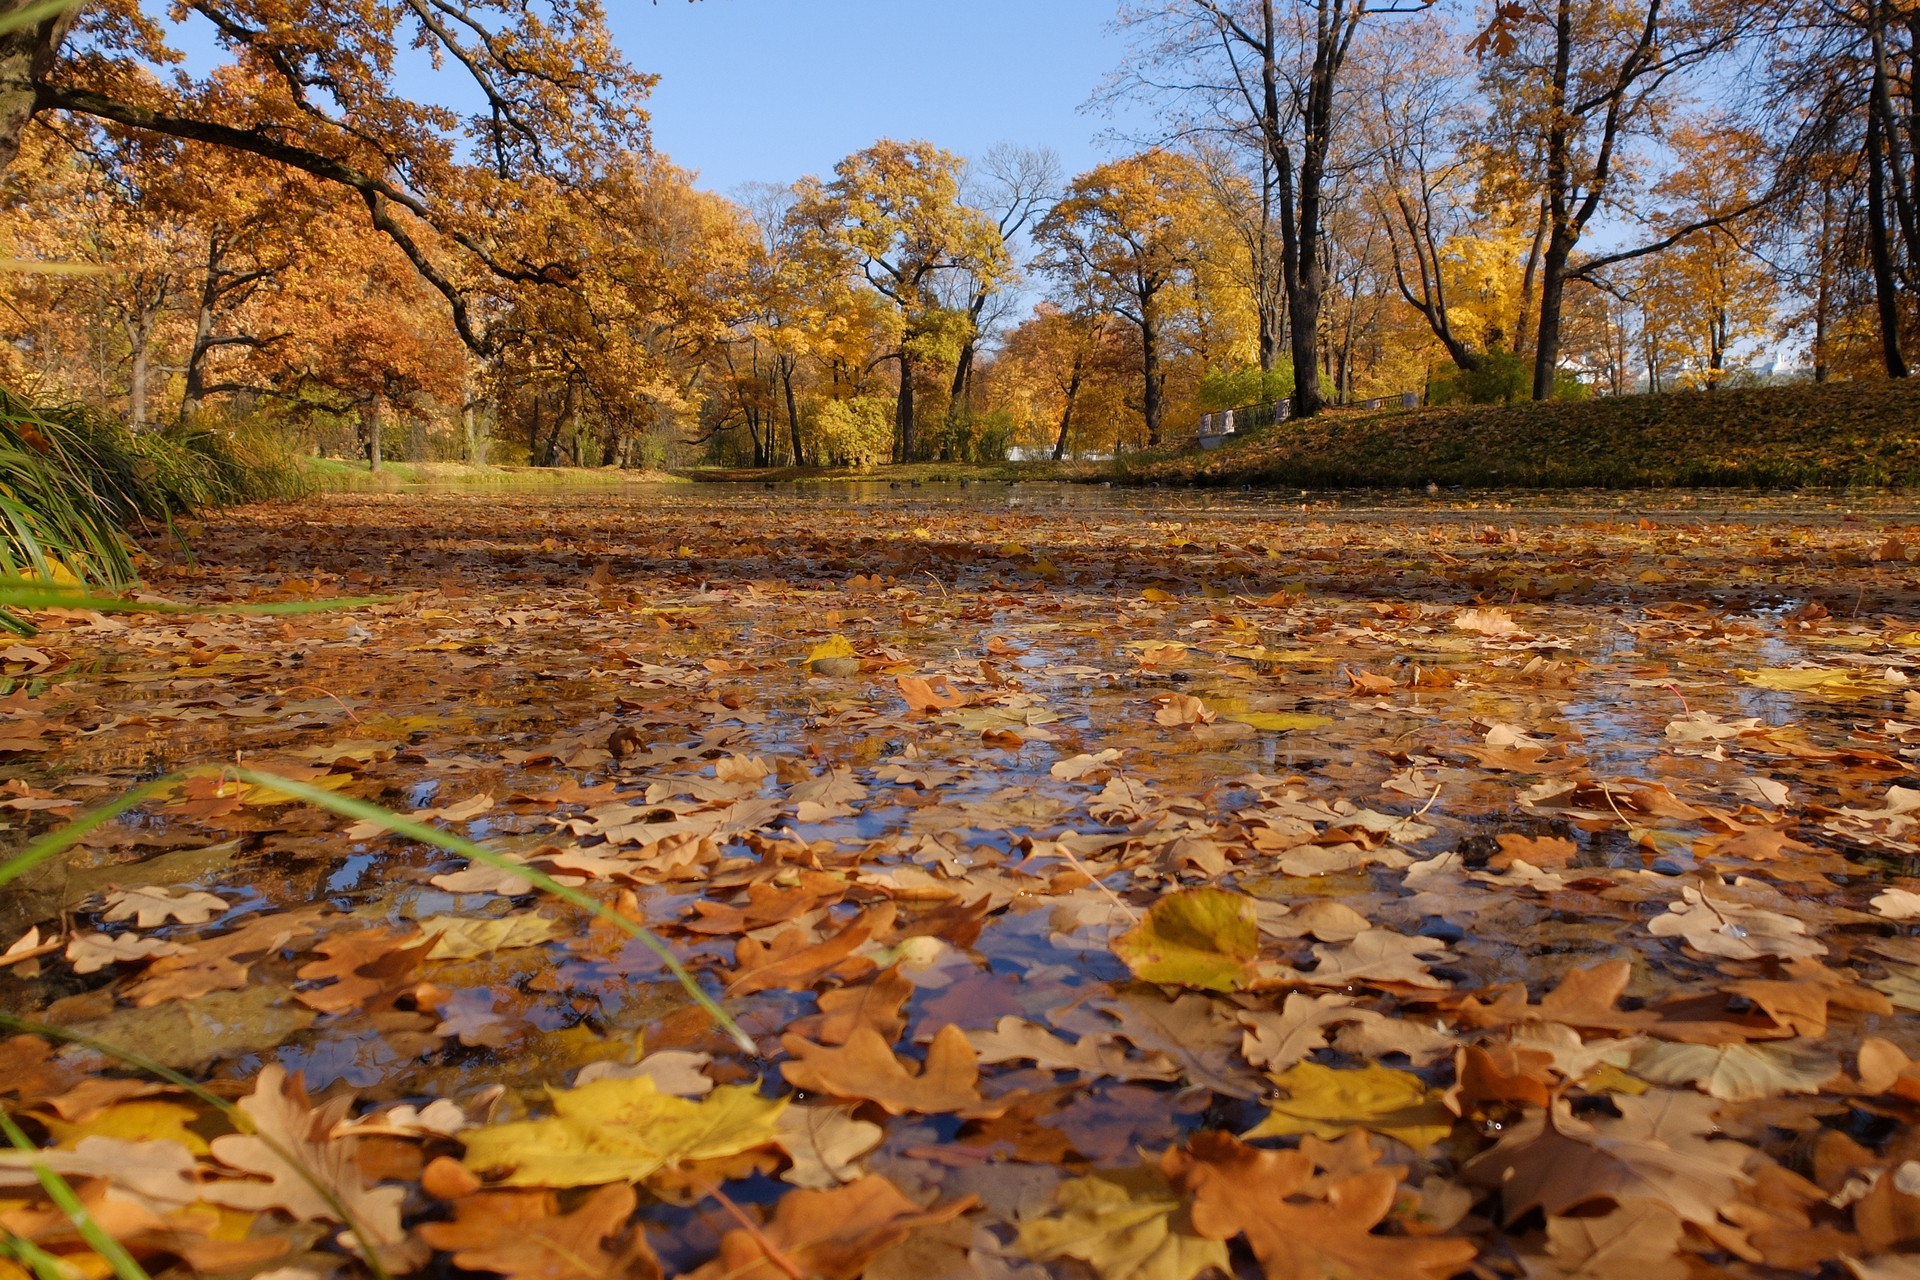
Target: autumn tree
(1573, 84)
(895, 210)
(1013, 186)
(1846, 128)
(1062, 375)
(1121, 241)
(1271, 72)
(554, 99)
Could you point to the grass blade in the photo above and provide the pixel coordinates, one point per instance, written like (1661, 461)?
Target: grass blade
(68, 1202)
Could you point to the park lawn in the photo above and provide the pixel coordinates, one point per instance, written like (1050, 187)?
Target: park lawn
(1834, 435)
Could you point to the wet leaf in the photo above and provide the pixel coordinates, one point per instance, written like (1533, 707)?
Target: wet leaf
(154, 905)
(1239, 1190)
(1125, 1226)
(1732, 929)
(522, 1235)
(1327, 1103)
(455, 938)
(1659, 1151)
(1205, 938)
(829, 1234)
(865, 1067)
(1738, 1072)
(623, 1130)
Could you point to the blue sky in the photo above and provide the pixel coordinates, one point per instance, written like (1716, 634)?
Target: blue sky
(769, 90)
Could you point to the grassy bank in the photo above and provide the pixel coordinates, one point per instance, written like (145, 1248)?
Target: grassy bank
(332, 475)
(77, 487)
(896, 473)
(1839, 434)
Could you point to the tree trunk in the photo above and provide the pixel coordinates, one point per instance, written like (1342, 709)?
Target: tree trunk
(753, 433)
(793, 410)
(1150, 367)
(962, 388)
(1885, 287)
(138, 335)
(26, 56)
(1553, 289)
(196, 387)
(376, 418)
(1066, 415)
(903, 412)
(474, 452)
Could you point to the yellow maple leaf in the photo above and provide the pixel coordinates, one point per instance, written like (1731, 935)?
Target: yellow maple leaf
(1327, 1103)
(623, 1131)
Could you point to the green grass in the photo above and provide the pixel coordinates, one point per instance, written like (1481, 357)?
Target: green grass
(77, 488)
(902, 472)
(1850, 434)
(334, 475)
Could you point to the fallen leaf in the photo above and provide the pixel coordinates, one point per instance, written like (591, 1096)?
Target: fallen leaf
(154, 905)
(91, 952)
(826, 1234)
(1638, 1241)
(1732, 929)
(301, 1170)
(1206, 938)
(1658, 1151)
(459, 938)
(1327, 1103)
(623, 1130)
(1016, 1040)
(1127, 1226)
(1738, 1072)
(522, 1235)
(1241, 1190)
(824, 1144)
(864, 1067)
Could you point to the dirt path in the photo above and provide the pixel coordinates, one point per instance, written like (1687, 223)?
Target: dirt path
(1521, 885)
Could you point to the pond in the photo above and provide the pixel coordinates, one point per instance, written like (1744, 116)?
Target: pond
(1023, 829)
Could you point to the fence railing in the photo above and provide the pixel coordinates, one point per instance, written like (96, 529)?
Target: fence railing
(1215, 427)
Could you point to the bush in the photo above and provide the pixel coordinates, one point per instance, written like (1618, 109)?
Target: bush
(1502, 378)
(1232, 388)
(74, 484)
(857, 432)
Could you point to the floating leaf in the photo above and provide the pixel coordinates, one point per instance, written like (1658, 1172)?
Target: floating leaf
(1327, 1103)
(1205, 938)
(622, 1130)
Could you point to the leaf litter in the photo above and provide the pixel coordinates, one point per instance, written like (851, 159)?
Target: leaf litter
(1146, 892)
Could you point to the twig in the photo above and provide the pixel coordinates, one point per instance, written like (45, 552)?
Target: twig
(317, 689)
(1421, 812)
(1098, 883)
(34, 953)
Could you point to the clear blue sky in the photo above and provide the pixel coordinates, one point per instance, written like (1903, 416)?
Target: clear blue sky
(769, 90)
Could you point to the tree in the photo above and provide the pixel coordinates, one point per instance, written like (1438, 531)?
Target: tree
(1274, 76)
(1573, 82)
(1122, 241)
(1012, 185)
(895, 209)
(1846, 123)
(556, 98)
(1709, 291)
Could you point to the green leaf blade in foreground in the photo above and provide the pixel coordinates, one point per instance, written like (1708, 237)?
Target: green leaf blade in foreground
(1204, 938)
(349, 807)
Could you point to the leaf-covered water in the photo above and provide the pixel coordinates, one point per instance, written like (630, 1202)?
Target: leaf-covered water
(1110, 881)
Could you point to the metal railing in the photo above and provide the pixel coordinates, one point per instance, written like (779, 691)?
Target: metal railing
(1215, 427)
